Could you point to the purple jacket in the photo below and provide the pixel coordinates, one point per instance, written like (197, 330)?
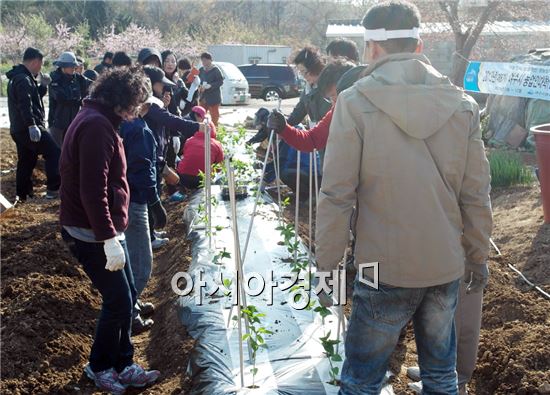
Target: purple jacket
(94, 191)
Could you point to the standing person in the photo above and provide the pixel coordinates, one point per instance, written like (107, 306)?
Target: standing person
(161, 121)
(105, 64)
(81, 66)
(404, 147)
(210, 90)
(150, 57)
(94, 216)
(66, 90)
(312, 103)
(28, 128)
(343, 47)
(140, 149)
(190, 77)
(121, 59)
(177, 95)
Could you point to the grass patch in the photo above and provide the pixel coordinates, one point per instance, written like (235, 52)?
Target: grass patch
(507, 169)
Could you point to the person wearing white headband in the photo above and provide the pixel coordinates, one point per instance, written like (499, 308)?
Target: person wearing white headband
(405, 149)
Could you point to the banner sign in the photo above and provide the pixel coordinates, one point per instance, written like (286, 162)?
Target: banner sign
(509, 79)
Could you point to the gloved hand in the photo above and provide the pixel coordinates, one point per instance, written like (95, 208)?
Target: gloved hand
(114, 254)
(34, 133)
(45, 79)
(276, 121)
(176, 143)
(476, 276)
(159, 214)
(206, 85)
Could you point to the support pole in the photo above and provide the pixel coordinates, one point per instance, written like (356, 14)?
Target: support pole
(297, 205)
(241, 296)
(310, 224)
(207, 182)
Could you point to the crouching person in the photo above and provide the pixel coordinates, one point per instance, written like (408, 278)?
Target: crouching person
(94, 215)
(140, 148)
(192, 163)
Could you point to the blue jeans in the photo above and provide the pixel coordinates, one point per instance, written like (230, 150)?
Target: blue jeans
(139, 245)
(112, 346)
(377, 318)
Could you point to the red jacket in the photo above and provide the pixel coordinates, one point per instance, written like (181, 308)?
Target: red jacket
(94, 192)
(308, 140)
(193, 153)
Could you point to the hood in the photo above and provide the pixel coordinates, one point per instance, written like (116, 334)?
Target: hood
(405, 86)
(19, 69)
(147, 52)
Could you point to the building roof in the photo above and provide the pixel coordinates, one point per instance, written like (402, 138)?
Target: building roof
(497, 27)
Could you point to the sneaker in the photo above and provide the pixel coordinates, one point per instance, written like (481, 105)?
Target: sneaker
(52, 194)
(159, 242)
(159, 233)
(106, 380)
(416, 387)
(145, 308)
(414, 373)
(177, 197)
(135, 376)
(140, 325)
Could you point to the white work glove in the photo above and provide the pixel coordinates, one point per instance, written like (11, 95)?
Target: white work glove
(34, 133)
(476, 276)
(114, 254)
(176, 143)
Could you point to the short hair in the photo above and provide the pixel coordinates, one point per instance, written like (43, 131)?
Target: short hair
(333, 71)
(108, 55)
(206, 55)
(121, 86)
(184, 64)
(121, 59)
(311, 59)
(31, 54)
(394, 15)
(343, 47)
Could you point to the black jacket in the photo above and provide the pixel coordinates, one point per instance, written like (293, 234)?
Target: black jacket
(313, 104)
(214, 77)
(25, 104)
(66, 94)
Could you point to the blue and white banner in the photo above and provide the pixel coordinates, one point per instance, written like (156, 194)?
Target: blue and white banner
(509, 79)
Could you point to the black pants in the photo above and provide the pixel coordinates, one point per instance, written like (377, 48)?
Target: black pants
(27, 156)
(112, 346)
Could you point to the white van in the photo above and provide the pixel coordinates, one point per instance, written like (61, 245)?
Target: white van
(235, 86)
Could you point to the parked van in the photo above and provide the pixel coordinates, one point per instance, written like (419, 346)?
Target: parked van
(271, 81)
(235, 86)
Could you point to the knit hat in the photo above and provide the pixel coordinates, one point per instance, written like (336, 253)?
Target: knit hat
(200, 111)
(66, 59)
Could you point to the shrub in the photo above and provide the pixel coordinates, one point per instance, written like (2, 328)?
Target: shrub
(507, 169)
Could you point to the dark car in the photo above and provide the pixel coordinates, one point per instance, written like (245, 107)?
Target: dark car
(271, 81)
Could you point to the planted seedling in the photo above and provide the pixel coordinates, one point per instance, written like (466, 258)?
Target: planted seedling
(330, 352)
(255, 337)
(223, 254)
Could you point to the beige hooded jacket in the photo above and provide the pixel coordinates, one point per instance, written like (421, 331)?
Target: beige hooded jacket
(405, 148)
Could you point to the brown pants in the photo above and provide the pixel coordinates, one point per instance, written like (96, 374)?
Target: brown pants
(467, 324)
(214, 110)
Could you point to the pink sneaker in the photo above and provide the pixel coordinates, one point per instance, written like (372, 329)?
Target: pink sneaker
(135, 376)
(106, 380)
